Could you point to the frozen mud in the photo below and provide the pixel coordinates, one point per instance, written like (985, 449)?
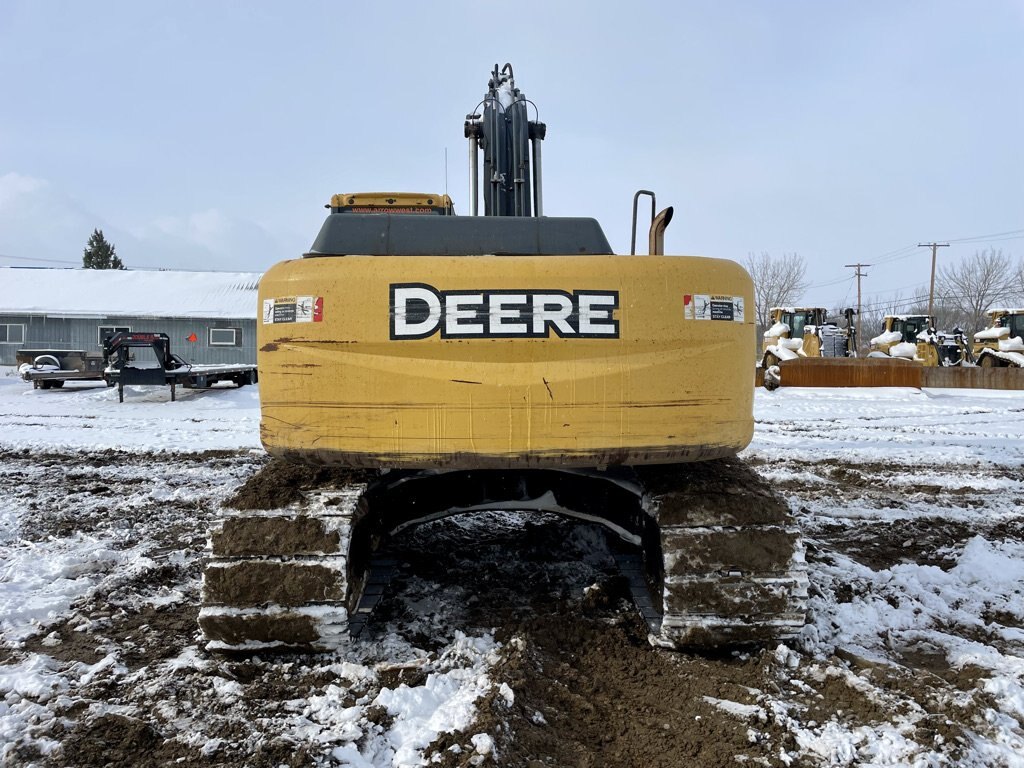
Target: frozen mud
(508, 639)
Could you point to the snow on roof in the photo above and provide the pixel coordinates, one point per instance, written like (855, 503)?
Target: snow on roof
(136, 293)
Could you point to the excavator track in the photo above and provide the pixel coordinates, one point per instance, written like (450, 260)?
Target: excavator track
(281, 578)
(709, 550)
(732, 561)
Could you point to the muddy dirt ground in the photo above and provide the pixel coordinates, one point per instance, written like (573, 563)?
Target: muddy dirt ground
(570, 677)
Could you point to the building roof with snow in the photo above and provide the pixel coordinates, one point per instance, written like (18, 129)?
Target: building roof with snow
(136, 293)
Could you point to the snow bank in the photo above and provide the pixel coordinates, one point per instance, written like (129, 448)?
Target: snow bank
(86, 416)
(931, 427)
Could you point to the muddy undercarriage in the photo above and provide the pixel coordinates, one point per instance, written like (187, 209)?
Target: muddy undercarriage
(710, 552)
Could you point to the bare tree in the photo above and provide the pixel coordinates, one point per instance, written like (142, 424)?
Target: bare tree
(876, 308)
(1018, 284)
(777, 282)
(972, 286)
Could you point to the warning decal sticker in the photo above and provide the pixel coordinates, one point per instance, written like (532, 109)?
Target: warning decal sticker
(293, 309)
(702, 306)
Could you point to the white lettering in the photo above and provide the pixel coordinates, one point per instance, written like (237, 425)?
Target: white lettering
(554, 308)
(419, 311)
(596, 314)
(454, 314)
(418, 328)
(499, 314)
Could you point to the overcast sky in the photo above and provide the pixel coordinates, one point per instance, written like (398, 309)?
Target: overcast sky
(209, 135)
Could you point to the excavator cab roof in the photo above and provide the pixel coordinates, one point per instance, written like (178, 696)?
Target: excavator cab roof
(390, 234)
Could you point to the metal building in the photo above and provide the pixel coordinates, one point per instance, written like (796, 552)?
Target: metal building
(209, 316)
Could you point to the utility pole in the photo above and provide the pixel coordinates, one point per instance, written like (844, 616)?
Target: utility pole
(858, 275)
(931, 291)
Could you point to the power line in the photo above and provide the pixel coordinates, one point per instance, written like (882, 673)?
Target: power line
(1016, 233)
(922, 297)
(849, 288)
(830, 282)
(48, 261)
(899, 254)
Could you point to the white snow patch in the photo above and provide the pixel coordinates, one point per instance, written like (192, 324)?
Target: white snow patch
(444, 703)
(482, 743)
(889, 337)
(39, 581)
(736, 709)
(903, 349)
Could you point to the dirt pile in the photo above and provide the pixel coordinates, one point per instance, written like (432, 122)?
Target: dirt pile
(280, 483)
(588, 693)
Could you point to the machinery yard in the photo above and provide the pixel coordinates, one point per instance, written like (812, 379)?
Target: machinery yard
(506, 638)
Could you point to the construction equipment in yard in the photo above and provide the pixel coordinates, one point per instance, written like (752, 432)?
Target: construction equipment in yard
(804, 332)
(1001, 344)
(506, 361)
(914, 338)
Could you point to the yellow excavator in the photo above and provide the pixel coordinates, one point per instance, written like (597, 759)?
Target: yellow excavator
(1001, 345)
(508, 360)
(914, 338)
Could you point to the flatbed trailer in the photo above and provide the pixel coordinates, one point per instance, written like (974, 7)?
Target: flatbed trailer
(166, 369)
(50, 368)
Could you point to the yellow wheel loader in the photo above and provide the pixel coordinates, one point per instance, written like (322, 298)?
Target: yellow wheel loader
(914, 338)
(803, 332)
(1001, 345)
(506, 361)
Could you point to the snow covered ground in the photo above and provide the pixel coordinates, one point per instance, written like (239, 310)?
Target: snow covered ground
(913, 507)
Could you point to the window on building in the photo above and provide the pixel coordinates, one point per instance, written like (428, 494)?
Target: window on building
(12, 333)
(225, 337)
(106, 331)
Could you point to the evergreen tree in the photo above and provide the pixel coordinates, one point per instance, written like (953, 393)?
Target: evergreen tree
(99, 254)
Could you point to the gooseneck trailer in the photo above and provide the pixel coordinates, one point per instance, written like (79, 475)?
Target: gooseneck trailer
(127, 366)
